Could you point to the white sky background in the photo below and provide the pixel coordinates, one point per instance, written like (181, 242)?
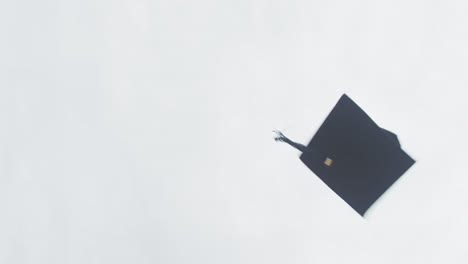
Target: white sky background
(140, 131)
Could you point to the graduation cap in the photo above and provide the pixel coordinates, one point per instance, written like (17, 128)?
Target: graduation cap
(355, 157)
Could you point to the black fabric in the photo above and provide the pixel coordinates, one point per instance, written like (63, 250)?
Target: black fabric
(365, 159)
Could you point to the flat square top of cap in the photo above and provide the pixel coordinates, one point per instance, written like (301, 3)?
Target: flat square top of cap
(356, 158)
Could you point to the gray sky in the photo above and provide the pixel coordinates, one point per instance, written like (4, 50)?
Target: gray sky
(140, 131)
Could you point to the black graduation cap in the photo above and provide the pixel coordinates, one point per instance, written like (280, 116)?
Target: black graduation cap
(356, 158)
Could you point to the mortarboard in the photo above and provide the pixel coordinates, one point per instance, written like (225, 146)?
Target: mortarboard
(356, 158)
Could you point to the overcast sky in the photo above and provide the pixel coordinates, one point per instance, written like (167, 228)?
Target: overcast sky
(140, 131)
